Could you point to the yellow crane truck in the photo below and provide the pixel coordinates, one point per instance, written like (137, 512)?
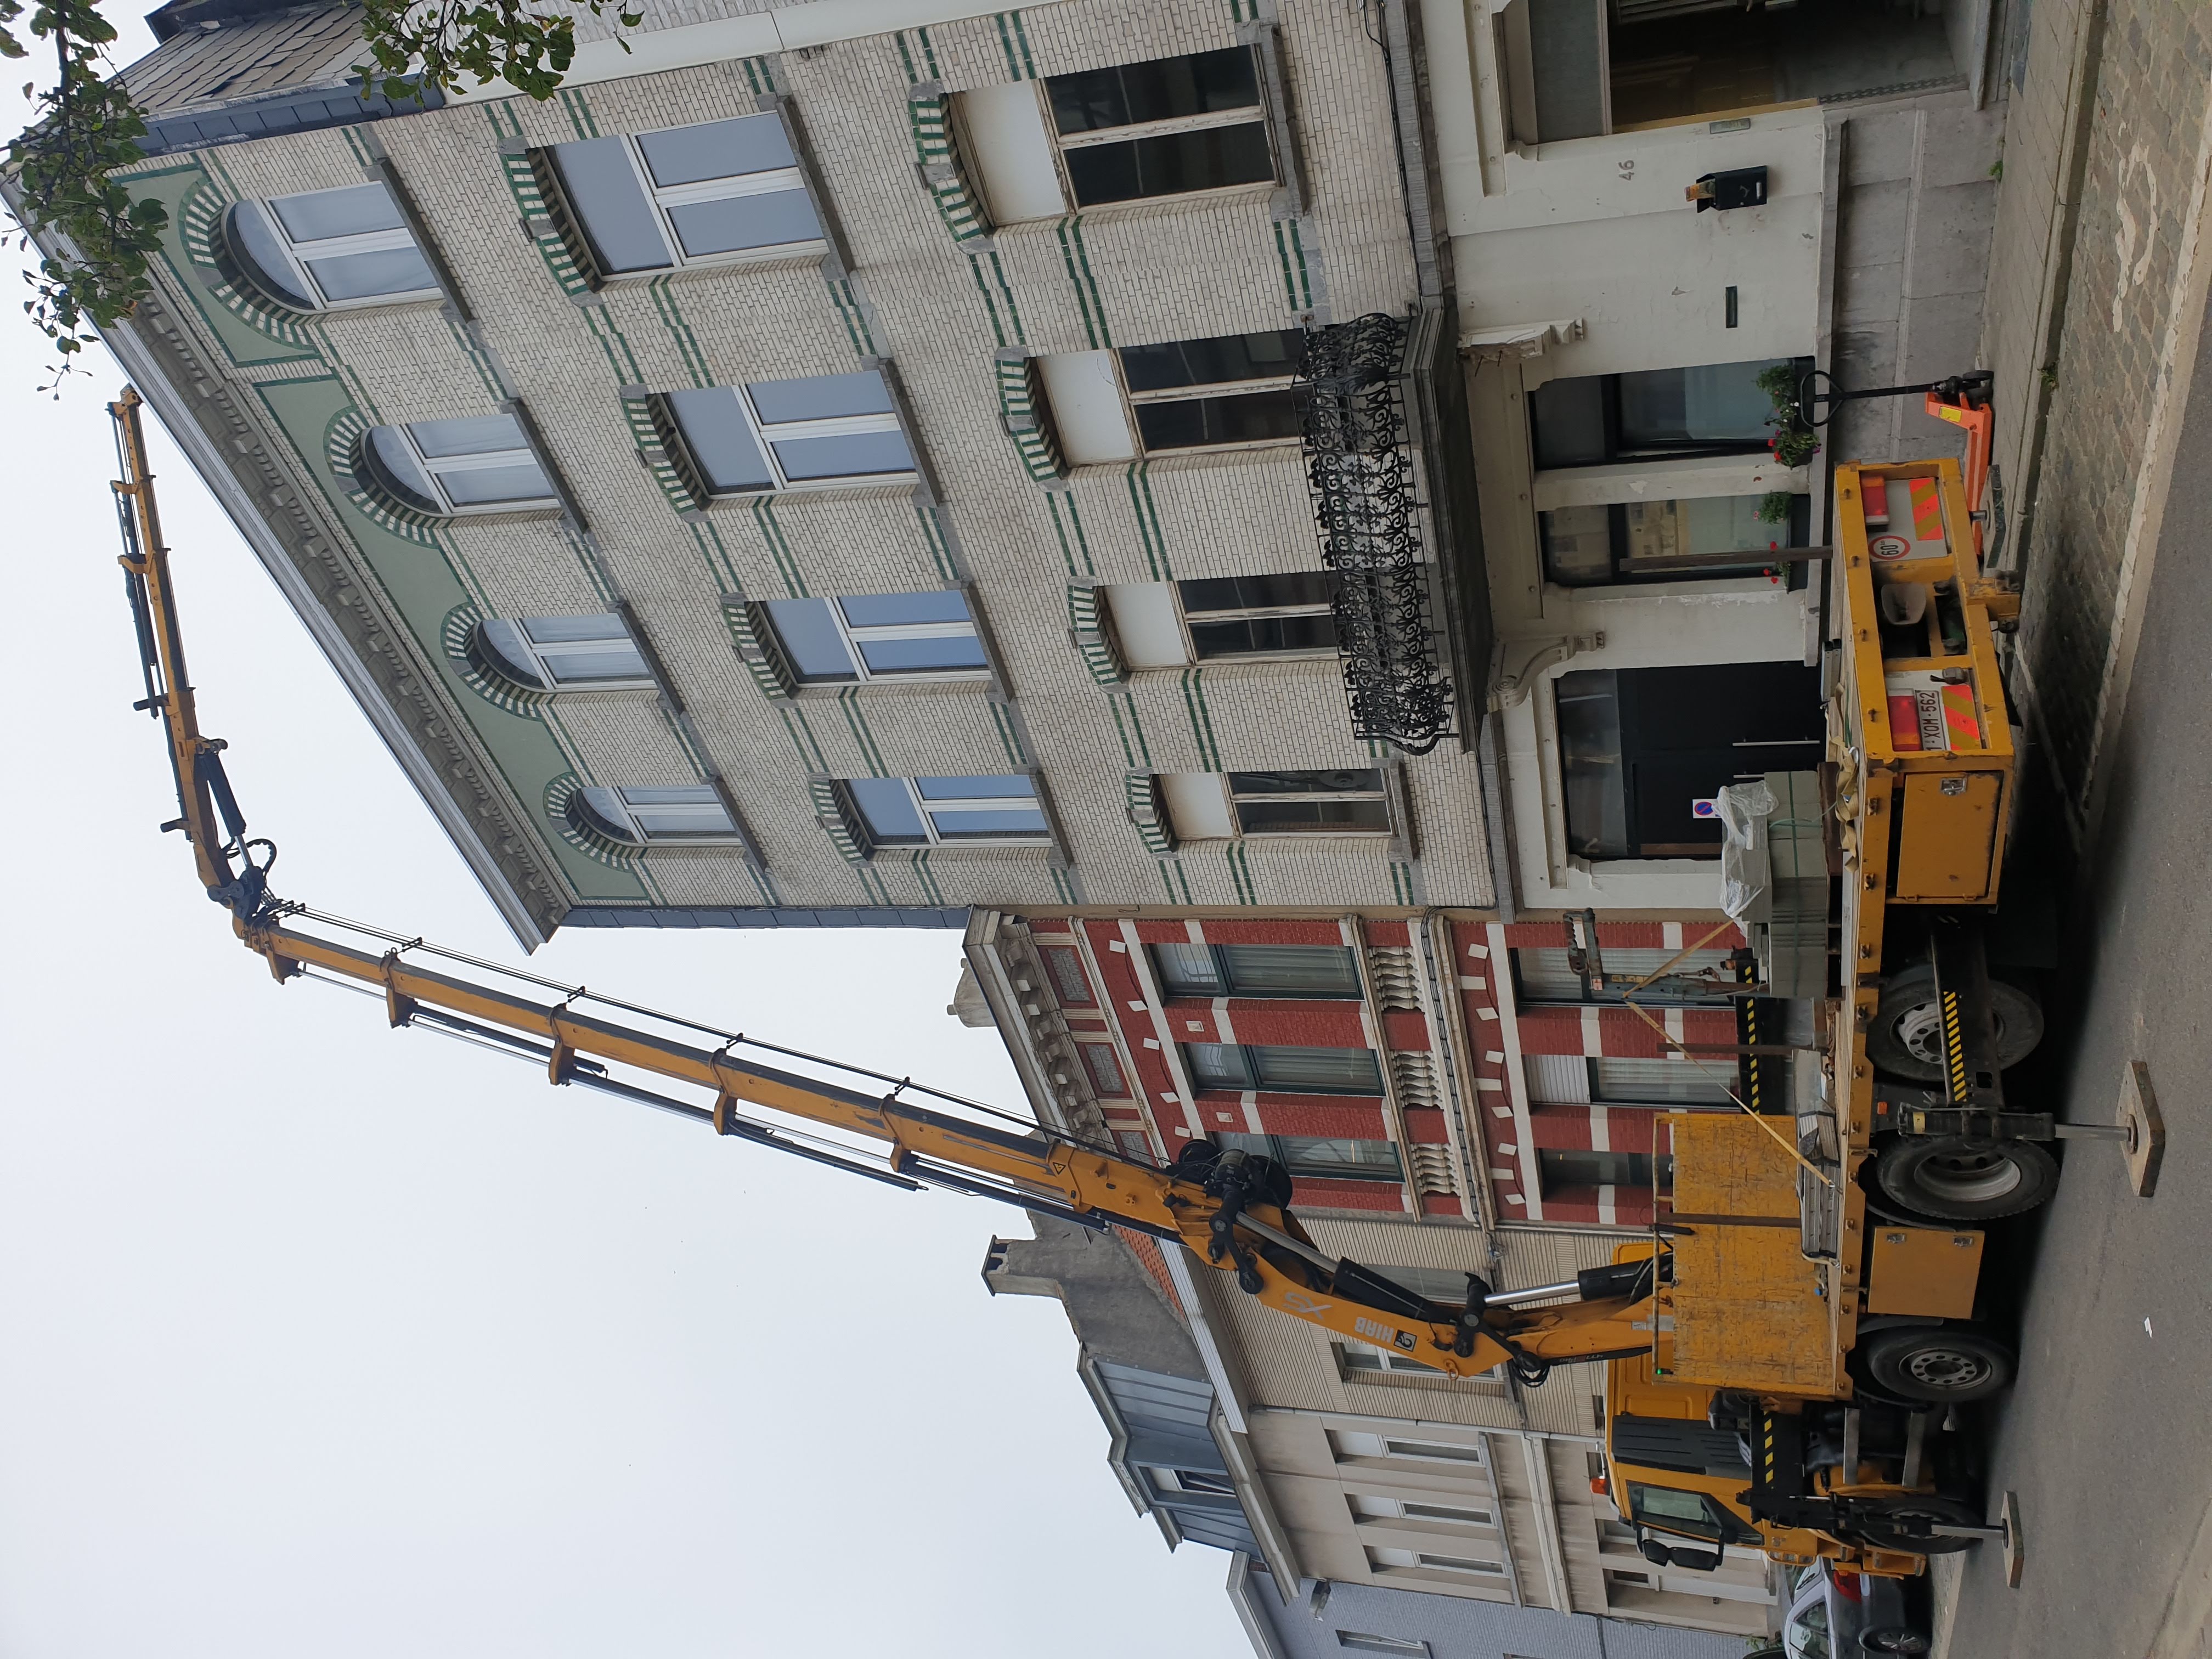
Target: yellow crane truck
(1776, 1351)
(1820, 1320)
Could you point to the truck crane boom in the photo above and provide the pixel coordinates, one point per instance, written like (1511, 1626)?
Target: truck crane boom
(1229, 1207)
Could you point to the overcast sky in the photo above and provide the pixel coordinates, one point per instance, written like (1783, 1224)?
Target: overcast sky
(321, 1339)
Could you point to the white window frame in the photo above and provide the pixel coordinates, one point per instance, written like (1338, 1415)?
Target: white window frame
(328, 248)
(1380, 791)
(660, 197)
(767, 433)
(728, 836)
(433, 466)
(852, 634)
(1032, 802)
(1252, 115)
(1365, 1357)
(625, 642)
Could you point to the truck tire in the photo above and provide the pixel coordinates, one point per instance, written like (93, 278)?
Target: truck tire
(1890, 1528)
(1905, 1039)
(1944, 1365)
(1955, 1179)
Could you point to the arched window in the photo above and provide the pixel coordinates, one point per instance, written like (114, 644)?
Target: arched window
(559, 653)
(476, 464)
(331, 249)
(651, 817)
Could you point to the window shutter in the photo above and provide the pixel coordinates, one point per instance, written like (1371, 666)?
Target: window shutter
(936, 153)
(1029, 421)
(548, 216)
(759, 648)
(1092, 634)
(1148, 811)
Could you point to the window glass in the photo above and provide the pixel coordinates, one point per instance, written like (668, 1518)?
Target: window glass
(1444, 1512)
(1292, 803)
(1162, 89)
(1294, 970)
(716, 150)
(888, 809)
(484, 486)
(1284, 588)
(858, 454)
(1664, 1081)
(1320, 1158)
(331, 246)
(997, 810)
(404, 474)
(257, 242)
(888, 610)
(1359, 1642)
(366, 275)
(1561, 1169)
(915, 656)
(1200, 423)
(1225, 358)
(1442, 1451)
(820, 396)
(1590, 757)
(1710, 403)
(1300, 1069)
(549, 651)
(1172, 164)
(736, 224)
(1219, 1065)
(682, 813)
(810, 639)
(1672, 1511)
(1189, 970)
(473, 435)
(348, 212)
(602, 185)
(719, 439)
(1339, 1160)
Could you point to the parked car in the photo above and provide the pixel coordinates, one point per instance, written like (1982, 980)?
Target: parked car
(1848, 1616)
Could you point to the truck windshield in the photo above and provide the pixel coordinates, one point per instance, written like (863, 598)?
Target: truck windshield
(1691, 1514)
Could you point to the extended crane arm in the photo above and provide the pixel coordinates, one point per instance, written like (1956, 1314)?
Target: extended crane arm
(228, 868)
(1230, 1208)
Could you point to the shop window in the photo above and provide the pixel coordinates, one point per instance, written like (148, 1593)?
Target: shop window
(1645, 541)
(1709, 408)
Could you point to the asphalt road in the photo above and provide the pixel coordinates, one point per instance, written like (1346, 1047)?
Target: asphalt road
(2107, 1436)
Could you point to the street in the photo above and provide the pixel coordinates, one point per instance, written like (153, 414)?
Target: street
(2103, 1437)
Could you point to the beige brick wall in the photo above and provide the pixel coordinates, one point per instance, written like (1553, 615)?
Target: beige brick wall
(1177, 271)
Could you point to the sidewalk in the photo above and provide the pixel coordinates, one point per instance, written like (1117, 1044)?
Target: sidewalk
(2096, 295)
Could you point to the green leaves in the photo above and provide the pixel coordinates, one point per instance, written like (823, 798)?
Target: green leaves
(62, 162)
(456, 45)
(88, 126)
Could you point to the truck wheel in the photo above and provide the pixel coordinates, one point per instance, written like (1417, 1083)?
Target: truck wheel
(1943, 1365)
(1960, 1180)
(1896, 1525)
(1906, 1037)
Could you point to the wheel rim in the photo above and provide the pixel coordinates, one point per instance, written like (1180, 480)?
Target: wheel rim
(1946, 1369)
(1920, 1029)
(1968, 1176)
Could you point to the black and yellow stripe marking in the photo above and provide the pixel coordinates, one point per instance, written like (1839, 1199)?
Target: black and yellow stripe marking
(1954, 1051)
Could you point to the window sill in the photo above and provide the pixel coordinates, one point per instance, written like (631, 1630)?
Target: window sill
(792, 254)
(548, 511)
(901, 484)
(1027, 849)
(892, 686)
